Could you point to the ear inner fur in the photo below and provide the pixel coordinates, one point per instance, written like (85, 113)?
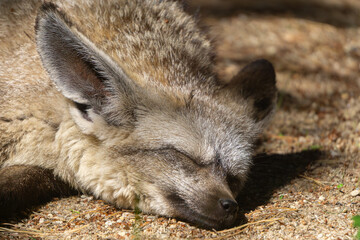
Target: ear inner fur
(81, 71)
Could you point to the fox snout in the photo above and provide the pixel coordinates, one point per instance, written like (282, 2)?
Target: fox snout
(228, 207)
(212, 211)
(230, 211)
(226, 211)
(221, 211)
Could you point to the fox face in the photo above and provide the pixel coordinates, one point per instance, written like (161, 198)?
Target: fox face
(152, 126)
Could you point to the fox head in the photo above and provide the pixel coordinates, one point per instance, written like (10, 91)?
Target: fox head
(181, 140)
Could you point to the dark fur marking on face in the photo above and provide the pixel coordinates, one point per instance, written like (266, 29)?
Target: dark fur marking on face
(176, 199)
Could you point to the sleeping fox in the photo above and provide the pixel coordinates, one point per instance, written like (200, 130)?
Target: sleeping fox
(119, 99)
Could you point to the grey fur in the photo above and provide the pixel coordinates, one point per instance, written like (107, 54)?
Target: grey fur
(130, 110)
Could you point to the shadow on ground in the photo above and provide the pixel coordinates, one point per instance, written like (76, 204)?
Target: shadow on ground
(271, 172)
(339, 15)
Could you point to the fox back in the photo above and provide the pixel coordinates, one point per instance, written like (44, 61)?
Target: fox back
(119, 99)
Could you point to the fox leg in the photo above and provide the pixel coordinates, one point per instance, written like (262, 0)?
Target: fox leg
(25, 186)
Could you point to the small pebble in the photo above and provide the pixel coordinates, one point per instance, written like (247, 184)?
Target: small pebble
(334, 153)
(355, 193)
(172, 226)
(108, 223)
(321, 198)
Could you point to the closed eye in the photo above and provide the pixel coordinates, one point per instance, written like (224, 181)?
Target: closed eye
(195, 160)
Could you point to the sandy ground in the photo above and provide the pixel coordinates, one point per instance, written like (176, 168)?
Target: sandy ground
(306, 178)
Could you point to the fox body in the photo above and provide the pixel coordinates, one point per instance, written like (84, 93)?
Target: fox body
(119, 99)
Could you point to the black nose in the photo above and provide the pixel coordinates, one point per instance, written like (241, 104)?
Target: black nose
(229, 206)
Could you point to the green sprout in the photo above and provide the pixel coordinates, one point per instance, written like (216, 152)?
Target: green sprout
(136, 232)
(74, 211)
(340, 185)
(356, 224)
(315, 147)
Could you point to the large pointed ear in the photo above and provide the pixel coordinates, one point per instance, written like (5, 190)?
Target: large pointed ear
(82, 72)
(257, 85)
